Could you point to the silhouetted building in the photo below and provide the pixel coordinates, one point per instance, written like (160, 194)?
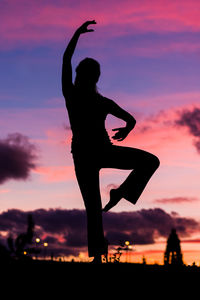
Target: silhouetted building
(173, 255)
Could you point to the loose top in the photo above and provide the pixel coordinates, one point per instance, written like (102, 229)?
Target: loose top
(87, 115)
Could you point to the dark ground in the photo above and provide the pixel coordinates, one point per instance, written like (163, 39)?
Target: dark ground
(63, 280)
(47, 279)
(53, 269)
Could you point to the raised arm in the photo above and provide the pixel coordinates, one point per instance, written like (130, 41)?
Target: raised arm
(120, 113)
(67, 57)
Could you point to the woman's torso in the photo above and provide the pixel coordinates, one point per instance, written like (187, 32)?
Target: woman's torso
(87, 115)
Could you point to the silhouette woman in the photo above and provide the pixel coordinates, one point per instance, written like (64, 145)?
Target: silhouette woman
(92, 148)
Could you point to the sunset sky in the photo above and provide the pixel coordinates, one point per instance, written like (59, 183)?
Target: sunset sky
(149, 53)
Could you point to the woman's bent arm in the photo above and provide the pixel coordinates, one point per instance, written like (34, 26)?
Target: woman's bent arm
(120, 113)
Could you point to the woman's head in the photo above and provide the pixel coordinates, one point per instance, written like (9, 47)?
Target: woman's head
(87, 74)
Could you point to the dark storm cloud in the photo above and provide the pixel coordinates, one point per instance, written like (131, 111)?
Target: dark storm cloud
(191, 119)
(142, 227)
(17, 157)
(65, 230)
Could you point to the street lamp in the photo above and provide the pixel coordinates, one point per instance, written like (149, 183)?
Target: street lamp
(37, 240)
(127, 248)
(45, 249)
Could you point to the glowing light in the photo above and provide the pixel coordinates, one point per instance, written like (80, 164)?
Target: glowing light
(37, 240)
(127, 243)
(45, 244)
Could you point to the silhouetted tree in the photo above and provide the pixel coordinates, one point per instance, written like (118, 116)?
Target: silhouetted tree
(173, 255)
(21, 245)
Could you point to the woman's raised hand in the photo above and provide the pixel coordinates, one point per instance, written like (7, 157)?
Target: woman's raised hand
(83, 28)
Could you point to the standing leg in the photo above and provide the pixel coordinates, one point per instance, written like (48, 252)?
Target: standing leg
(88, 180)
(143, 165)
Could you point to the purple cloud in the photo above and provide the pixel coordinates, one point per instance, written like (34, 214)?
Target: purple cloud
(66, 232)
(191, 120)
(17, 157)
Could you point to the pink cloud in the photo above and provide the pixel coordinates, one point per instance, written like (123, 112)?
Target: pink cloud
(175, 200)
(37, 22)
(160, 135)
(4, 191)
(52, 174)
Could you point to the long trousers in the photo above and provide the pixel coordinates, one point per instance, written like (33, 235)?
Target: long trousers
(87, 166)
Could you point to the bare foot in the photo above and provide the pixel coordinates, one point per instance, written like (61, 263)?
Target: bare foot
(114, 199)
